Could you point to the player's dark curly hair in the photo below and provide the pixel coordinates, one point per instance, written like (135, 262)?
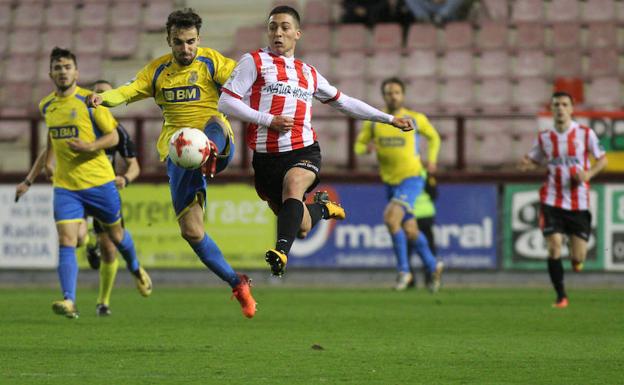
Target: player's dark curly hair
(393, 80)
(288, 10)
(183, 19)
(562, 94)
(58, 53)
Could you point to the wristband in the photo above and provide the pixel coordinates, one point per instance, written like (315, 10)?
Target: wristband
(126, 179)
(27, 182)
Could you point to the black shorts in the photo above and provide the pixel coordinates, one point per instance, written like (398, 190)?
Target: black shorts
(270, 169)
(571, 222)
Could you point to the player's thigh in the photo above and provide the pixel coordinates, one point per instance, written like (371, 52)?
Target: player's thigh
(68, 233)
(410, 227)
(296, 183)
(187, 187)
(553, 244)
(191, 223)
(394, 213)
(578, 248)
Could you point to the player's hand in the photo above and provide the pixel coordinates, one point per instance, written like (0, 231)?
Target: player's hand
(94, 100)
(432, 168)
(526, 164)
(20, 190)
(403, 123)
(80, 145)
(49, 171)
(282, 123)
(120, 182)
(209, 168)
(580, 176)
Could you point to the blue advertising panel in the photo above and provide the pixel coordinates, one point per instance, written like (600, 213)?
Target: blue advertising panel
(465, 229)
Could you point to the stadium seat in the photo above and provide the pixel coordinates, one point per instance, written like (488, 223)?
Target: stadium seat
(456, 64)
(374, 95)
(316, 38)
(447, 128)
(57, 37)
(93, 15)
(355, 87)
(320, 109)
(384, 64)
(605, 93)
(420, 63)
(494, 96)
(156, 13)
(567, 63)
(527, 10)
(5, 15)
(321, 61)
(602, 35)
(90, 40)
(602, 62)
(349, 65)
(566, 35)
(61, 15)
(523, 135)
(496, 9)
(333, 136)
(123, 42)
(530, 63)
(563, 10)
(530, 94)
(317, 12)
(20, 68)
(457, 35)
(492, 35)
(125, 14)
(248, 39)
(598, 10)
(422, 36)
(529, 36)
(90, 68)
(571, 85)
(351, 37)
(12, 130)
(15, 99)
(493, 64)
(24, 41)
(28, 15)
(456, 96)
(422, 94)
(386, 37)
(485, 138)
(41, 89)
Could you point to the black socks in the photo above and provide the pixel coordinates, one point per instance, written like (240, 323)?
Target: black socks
(317, 211)
(288, 224)
(555, 270)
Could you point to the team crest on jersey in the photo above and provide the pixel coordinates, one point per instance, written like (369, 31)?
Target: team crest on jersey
(193, 77)
(268, 70)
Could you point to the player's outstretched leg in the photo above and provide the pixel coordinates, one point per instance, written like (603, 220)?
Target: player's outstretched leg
(330, 210)
(399, 244)
(433, 269)
(555, 271)
(68, 275)
(128, 252)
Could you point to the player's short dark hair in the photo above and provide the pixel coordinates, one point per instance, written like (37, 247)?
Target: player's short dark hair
(183, 19)
(392, 80)
(288, 10)
(58, 53)
(102, 81)
(562, 94)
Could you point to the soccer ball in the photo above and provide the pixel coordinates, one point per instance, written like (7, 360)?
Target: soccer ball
(189, 148)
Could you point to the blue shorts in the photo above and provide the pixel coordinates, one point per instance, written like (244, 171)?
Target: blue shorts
(188, 185)
(101, 202)
(406, 192)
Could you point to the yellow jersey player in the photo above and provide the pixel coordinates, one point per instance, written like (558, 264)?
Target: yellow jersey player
(186, 84)
(84, 182)
(400, 168)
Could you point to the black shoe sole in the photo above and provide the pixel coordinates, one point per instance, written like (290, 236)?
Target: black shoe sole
(276, 264)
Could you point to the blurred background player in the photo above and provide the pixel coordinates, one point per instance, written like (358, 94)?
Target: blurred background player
(273, 91)
(185, 84)
(83, 177)
(564, 196)
(400, 169)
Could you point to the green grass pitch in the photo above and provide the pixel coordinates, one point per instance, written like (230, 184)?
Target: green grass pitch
(316, 336)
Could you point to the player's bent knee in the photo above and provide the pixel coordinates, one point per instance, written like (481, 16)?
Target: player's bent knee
(192, 235)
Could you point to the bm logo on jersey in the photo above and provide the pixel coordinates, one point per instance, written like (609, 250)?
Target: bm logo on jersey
(64, 132)
(181, 94)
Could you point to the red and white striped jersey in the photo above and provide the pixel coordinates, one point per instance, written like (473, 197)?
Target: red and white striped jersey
(565, 153)
(279, 85)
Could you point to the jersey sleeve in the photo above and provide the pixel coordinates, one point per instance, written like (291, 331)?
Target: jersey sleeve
(105, 121)
(241, 78)
(535, 153)
(433, 138)
(364, 137)
(325, 92)
(224, 67)
(137, 89)
(594, 145)
(125, 147)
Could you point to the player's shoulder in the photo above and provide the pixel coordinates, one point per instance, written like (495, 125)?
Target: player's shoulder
(82, 93)
(165, 59)
(46, 100)
(414, 114)
(209, 52)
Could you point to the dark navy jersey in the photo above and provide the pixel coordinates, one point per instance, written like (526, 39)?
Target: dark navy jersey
(125, 147)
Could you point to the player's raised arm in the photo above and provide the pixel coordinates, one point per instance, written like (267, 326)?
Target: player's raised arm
(137, 89)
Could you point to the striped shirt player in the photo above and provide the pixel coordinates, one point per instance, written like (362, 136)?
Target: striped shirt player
(273, 91)
(565, 149)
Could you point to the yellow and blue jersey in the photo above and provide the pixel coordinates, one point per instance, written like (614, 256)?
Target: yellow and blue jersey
(187, 95)
(397, 151)
(67, 118)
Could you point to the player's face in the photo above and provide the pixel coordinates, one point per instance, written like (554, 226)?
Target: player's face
(98, 88)
(63, 73)
(561, 108)
(393, 96)
(183, 43)
(283, 34)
